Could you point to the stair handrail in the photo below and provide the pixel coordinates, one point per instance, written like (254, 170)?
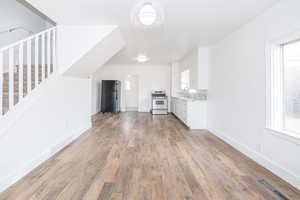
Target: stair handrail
(27, 38)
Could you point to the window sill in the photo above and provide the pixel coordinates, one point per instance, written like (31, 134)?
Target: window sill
(288, 135)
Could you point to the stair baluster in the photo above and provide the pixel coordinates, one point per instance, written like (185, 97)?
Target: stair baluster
(43, 57)
(48, 54)
(53, 50)
(21, 71)
(11, 90)
(28, 66)
(36, 57)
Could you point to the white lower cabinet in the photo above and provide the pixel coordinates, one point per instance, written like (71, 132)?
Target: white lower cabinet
(191, 112)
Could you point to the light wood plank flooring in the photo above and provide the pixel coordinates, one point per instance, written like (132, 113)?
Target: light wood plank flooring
(136, 156)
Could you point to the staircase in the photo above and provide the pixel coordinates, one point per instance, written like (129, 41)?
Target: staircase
(5, 98)
(18, 76)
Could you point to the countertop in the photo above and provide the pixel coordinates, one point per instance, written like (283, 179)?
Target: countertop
(188, 99)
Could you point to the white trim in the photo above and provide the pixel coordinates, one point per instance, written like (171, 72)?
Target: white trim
(280, 171)
(287, 135)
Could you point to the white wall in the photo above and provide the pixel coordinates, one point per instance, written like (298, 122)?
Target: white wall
(58, 112)
(14, 14)
(176, 78)
(190, 61)
(151, 77)
(94, 46)
(237, 94)
(203, 66)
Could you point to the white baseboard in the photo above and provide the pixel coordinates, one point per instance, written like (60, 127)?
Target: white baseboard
(280, 171)
(44, 156)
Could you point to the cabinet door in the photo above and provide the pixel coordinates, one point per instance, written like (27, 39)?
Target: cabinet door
(178, 108)
(173, 103)
(174, 107)
(184, 111)
(181, 110)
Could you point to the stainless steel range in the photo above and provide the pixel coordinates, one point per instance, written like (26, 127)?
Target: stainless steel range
(159, 103)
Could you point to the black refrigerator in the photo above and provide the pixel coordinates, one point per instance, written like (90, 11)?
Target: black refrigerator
(110, 96)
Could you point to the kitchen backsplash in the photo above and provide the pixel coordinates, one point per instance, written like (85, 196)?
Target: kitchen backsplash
(194, 94)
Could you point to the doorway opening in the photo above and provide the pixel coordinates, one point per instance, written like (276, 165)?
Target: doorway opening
(132, 93)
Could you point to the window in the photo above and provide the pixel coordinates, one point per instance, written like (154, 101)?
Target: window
(185, 79)
(283, 87)
(127, 85)
(291, 65)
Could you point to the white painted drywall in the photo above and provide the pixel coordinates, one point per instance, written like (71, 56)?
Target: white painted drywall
(190, 61)
(58, 112)
(237, 94)
(186, 24)
(151, 77)
(175, 76)
(83, 49)
(14, 14)
(197, 61)
(203, 66)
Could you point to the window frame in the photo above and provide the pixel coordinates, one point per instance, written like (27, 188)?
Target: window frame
(275, 85)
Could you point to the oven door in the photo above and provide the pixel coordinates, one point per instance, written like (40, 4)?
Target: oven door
(159, 104)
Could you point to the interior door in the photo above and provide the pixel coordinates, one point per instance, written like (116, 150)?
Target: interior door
(132, 93)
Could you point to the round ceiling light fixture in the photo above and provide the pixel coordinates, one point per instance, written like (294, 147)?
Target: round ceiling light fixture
(142, 58)
(147, 14)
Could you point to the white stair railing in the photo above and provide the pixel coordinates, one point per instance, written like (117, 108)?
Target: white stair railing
(24, 65)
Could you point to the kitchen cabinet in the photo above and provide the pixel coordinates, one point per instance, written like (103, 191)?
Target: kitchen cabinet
(191, 112)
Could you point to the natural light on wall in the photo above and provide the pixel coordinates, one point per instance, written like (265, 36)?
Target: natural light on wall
(185, 79)
(291, 56)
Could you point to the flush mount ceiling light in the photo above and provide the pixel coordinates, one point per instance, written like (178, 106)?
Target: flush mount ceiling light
(147, 14)
(142, 58)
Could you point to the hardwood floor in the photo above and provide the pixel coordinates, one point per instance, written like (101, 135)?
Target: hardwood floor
(136, 156)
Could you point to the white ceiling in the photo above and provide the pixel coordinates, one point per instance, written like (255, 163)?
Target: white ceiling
(188, 23)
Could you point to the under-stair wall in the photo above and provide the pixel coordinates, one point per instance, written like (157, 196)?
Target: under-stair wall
(56, 113)
(82, 50)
